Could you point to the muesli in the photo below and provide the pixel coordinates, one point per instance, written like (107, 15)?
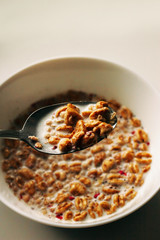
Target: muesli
(74, 126)
(90, 183)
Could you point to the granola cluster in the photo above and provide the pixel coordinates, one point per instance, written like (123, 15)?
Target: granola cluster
(91, 183)
(71, 128)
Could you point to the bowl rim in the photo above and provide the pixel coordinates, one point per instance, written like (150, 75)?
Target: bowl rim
(99, 221)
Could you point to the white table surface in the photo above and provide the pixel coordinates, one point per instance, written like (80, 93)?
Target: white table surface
(122, 31)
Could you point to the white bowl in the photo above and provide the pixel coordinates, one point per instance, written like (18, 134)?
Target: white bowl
(92, 75)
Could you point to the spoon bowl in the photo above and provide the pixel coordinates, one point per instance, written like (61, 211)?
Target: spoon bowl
(31, 128)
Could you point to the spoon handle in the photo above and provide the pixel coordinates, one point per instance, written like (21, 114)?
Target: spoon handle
(14, 134)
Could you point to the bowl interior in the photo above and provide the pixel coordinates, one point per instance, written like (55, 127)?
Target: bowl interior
(46, 79)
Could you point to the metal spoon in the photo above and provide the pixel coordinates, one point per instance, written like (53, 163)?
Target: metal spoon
(30, 127)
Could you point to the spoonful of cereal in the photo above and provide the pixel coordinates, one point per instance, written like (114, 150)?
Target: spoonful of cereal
(66, 127)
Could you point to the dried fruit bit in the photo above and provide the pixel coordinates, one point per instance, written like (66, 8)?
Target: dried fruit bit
(59, 216)
(71, 198)
(122, 172)
(54, 147)
(65, 145)
(96, 195)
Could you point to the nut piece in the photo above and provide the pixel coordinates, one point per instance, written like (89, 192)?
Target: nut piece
(81, 203)
(125, 112)
(65, 145)
(68, 215)
(38, 145)
(102, 114)
(90, 124)
(95, 207)
(60, 175)
(97, 148)
(102, 129)
(33, 138)
(75, 167)
(135, 122)
(30, 187)
(77, 137)
(93, 173)
(80, 126)
(86, 181)
(53, 140)
(61, 197)
(26, 173)
(30, 161)
(108, 190)
(128, 155)
(98, 158)
(89, 138)
(80, 216)
(143, 154)
(101, 104)
(105, 205)
(42, 186)
(60, 110)
(77, 188)
(107, 164)
(141, 135)
(64, 128)
(62, 207)
(71, 115)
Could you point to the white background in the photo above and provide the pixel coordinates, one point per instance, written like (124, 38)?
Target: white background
(122, 31)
